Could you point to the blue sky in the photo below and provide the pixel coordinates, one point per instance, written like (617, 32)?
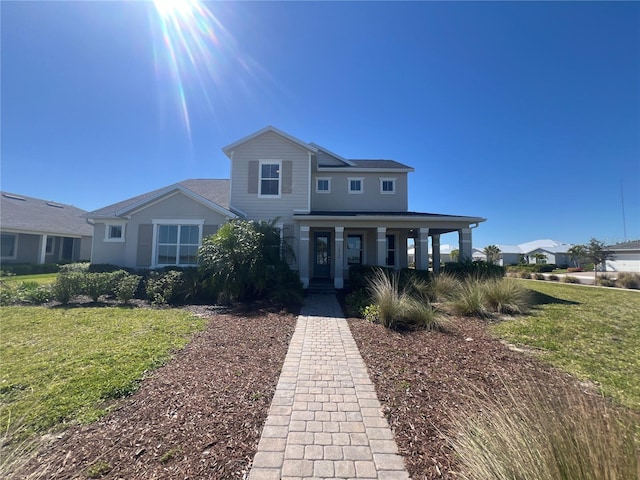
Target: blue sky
(527, 114)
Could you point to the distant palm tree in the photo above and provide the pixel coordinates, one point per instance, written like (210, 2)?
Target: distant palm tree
(454, 255)
(577, 254)
(540, 257)
(492, 253)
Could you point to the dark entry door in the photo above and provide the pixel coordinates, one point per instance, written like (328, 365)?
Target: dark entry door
(67, 248)
(322, 254)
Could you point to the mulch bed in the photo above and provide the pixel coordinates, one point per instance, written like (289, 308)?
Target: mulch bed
(201, 415)
(423, 378)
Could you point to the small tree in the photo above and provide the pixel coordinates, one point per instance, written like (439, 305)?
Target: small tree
(454, 255)
(492, 253)
(577, 254)
(598, 254)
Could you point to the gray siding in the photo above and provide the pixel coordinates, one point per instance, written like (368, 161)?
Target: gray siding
(136, 250)
(370, 200)
(244, 178)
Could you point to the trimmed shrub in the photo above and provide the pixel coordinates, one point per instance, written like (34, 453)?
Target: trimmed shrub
(29, 268)
(356, 302)
(539, 276)
(553, 278)
(570, 279)
(106, 268)
(476, 269)
(164, 287)
(67, 286)
(75, 267)
(127, 287)
(95, 285)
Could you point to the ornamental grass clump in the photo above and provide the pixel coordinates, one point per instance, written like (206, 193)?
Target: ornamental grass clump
(541, 432)
(441, 287)
(505, 295)
(470, 299)
(400, 309)
(628, 280)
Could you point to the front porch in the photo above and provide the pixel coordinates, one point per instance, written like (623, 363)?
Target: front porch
(330, 243)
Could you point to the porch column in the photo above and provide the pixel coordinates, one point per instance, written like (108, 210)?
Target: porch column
(381, 245)
(303, 262)
(338, 249)
(435, 252)
(43, 249)
(464, 243)
(422, 249)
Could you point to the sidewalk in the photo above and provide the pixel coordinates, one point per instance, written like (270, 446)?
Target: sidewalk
(325, 419)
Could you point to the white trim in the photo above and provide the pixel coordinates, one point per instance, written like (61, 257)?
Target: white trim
(228, 150)
(260, 179)
(393, 184)
(15, 246)
(328, 179)
(46, 239)
(107, 230)
(363, 247)
(154, 246)
(352, 179)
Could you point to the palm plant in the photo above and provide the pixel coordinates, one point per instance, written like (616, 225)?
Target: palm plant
(492, 253)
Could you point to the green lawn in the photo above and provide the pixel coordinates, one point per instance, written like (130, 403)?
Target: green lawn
(62, 365)
(41, 279)
(593, 333)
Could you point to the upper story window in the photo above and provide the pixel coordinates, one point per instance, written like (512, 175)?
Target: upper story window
(270, 178)
(323, 185)
(356, 185)
(114, 232)
(387, 185)
(9, 246)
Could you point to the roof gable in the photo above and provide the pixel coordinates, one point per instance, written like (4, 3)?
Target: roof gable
(296, 141)
(211, 193)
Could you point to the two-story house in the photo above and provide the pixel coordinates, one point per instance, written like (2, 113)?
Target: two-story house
(333, 211)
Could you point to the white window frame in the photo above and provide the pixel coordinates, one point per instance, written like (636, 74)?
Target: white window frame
(15, 246)
(189, 222)
(260, 179)
(393, 183)
(107, 231)
(328, 180)
(355, 192)
(363, 242)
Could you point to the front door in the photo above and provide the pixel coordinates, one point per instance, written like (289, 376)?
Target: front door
(322, 254)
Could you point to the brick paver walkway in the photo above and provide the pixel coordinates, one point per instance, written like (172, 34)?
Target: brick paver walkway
(325, 419)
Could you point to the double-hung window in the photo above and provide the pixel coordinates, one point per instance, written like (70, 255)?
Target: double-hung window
(355, 185)
(323, 185)
(387, 185)
(177, 244)
(270, 178)
(114, 232)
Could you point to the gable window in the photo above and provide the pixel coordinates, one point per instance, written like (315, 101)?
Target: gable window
(391, 251)
(114, 232)
(354, 249)
(355, 185)
(177, 244)
(387, 185)
(323, 185)
(9, 246)
(270, 178)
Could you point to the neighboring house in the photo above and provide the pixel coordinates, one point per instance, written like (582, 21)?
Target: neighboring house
(626, 257)
(40, 231)
(334, 212)
(445, 253)
(555, 252)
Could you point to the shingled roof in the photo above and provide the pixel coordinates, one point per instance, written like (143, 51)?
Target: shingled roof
(29, 214)
(213, 190)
